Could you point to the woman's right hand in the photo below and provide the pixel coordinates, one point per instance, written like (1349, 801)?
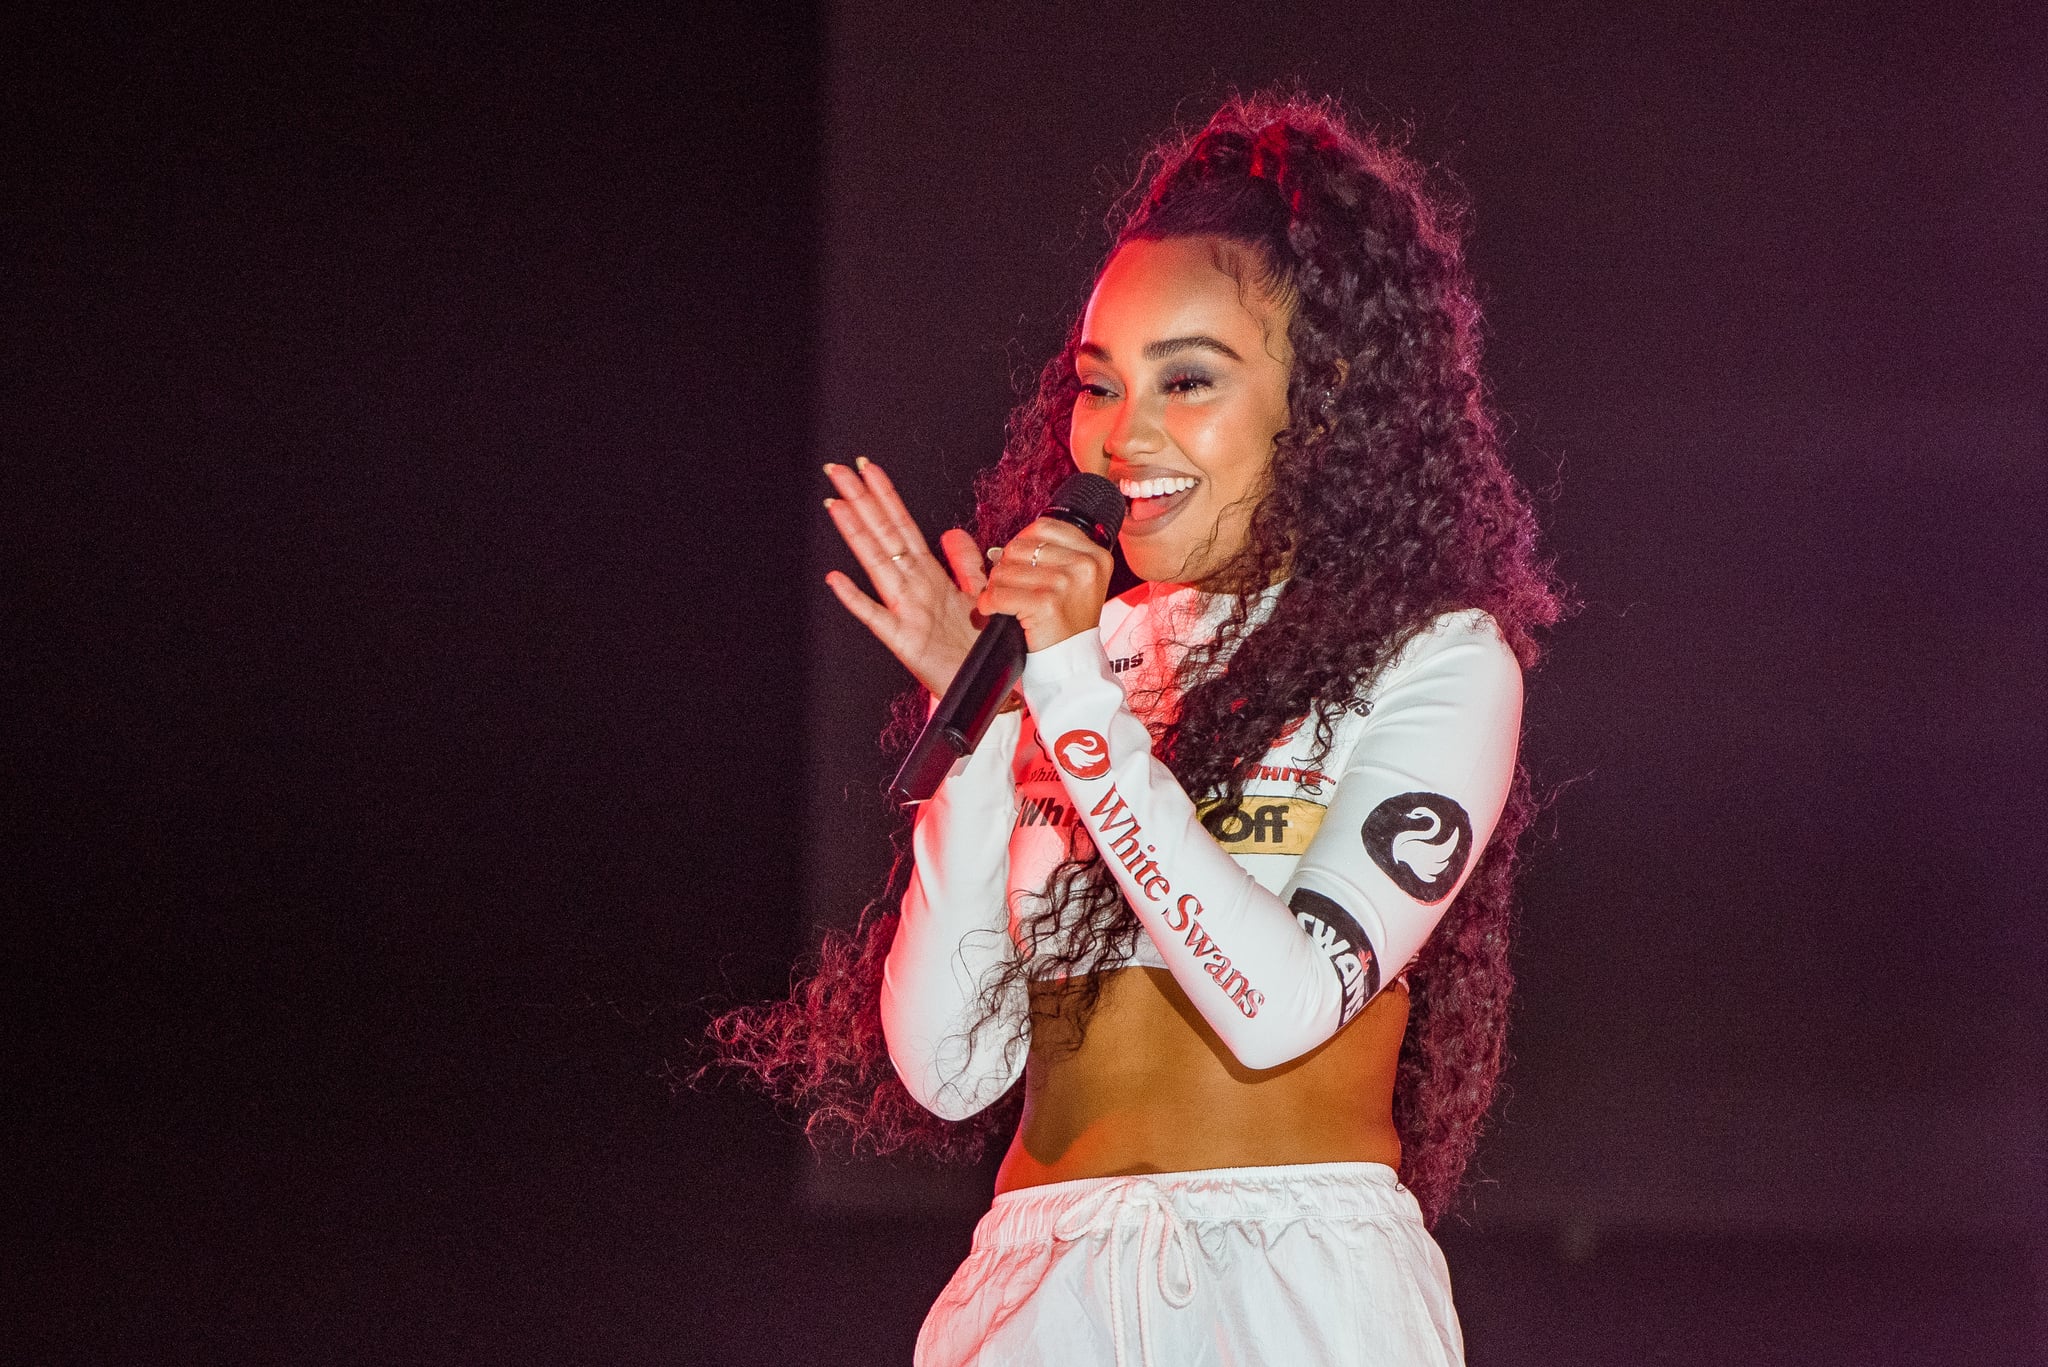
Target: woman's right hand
(925, 616)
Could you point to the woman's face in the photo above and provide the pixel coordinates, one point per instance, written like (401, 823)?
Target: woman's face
(1183, 385)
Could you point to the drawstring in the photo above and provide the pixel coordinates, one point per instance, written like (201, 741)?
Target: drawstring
(1118, 1198)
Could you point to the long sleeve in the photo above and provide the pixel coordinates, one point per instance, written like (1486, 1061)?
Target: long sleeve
(1416, 799)
(954, 938)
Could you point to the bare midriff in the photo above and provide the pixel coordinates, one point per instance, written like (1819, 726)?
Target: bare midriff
(1151, 1088)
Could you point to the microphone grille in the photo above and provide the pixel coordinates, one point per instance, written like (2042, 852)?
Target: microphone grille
(1094, 499)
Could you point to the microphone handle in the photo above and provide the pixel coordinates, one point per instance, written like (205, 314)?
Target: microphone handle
(996, 662)
(972, 700)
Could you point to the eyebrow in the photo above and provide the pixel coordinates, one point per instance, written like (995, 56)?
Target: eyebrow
(1160, 350)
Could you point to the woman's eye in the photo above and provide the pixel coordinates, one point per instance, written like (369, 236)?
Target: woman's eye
(1095, 391)
(1186, 384)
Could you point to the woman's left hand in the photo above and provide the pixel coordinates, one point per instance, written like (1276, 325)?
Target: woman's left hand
(1052, 579)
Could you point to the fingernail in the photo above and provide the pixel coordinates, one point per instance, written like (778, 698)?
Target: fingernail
(829, 502)
(861, 462)
(827, 467)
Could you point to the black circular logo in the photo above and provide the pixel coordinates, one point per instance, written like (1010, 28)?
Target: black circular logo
(1421, 841)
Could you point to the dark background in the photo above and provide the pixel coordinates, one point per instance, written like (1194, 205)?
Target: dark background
(422, 702)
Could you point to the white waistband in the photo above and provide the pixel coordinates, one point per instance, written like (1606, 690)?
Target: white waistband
(1281, 1192)
(1159, 1209)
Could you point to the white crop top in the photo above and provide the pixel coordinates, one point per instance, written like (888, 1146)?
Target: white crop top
(1283, 925)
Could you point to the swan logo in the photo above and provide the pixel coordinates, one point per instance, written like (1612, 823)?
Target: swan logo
(1421, 841)
(1082, 754)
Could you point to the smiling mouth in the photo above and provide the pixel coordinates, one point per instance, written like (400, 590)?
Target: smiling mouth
(1152, 501)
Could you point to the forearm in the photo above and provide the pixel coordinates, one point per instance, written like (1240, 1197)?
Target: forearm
(953, 943)
(1419, 792)
(1235, 948)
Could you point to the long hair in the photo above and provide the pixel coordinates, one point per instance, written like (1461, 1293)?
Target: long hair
(1386, 504)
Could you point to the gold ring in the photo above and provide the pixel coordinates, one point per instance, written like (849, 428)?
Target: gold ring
(900, 555)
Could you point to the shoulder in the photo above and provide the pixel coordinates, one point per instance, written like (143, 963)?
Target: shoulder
(1449, 705)
(1462, 651)
(1472, 627)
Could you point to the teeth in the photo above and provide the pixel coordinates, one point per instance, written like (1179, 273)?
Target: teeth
(1155, 488)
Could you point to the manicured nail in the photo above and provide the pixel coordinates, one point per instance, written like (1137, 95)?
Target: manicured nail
(827, 467)
(861, 462)
(828, 504)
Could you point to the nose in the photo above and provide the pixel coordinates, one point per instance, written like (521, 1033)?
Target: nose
(1133, 434)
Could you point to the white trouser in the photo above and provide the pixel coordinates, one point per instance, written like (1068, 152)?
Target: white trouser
(1311, 1265)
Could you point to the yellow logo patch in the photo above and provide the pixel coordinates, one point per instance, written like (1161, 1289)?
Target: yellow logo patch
(1267, 825)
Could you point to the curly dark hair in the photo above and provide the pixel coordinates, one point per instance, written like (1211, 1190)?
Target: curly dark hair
(1387, 503)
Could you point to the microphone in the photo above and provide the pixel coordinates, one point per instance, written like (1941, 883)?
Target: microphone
(996, 662)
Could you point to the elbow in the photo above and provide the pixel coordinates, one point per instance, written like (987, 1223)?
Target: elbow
(950, 1101)
(1266, 1051)
(949, 1105)
(1278, 1035)
(924, 1075)
(939, 1050)
(916, 1071)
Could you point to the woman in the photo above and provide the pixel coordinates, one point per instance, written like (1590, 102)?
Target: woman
(1229, 889)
